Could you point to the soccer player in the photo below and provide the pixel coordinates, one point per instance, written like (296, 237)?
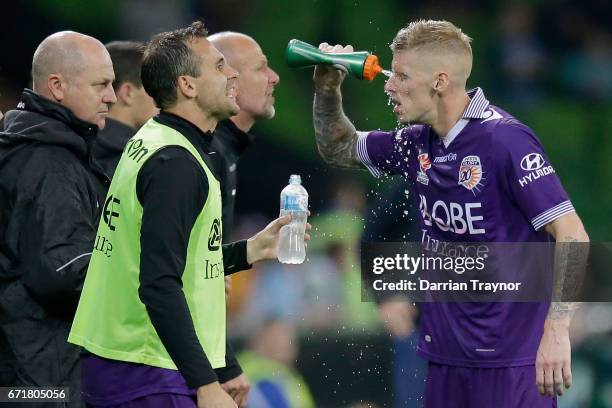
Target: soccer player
(471, 167)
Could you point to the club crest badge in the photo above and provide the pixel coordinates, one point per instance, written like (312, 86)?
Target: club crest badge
(424, 165)
(470, 172)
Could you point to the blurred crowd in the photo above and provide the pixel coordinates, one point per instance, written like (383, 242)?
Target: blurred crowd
(532, 49)
(541, 50)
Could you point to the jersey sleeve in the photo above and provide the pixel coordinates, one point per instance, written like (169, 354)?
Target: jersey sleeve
(529, 176)
(380, 152)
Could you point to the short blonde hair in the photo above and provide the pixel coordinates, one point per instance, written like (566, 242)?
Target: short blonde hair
(432, 35)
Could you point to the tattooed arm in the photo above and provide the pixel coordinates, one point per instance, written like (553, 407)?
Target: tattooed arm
(553, 361)
(571, 253)
(335, 134)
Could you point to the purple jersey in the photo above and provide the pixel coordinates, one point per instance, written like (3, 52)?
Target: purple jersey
(488, 180)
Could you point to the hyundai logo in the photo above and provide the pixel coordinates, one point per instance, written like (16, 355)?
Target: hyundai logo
(532, 161)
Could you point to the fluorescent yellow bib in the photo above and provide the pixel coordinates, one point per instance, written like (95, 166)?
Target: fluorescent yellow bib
(111, 321)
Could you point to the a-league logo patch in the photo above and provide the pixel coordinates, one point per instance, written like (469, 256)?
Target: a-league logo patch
(424, 165)
(470, 172)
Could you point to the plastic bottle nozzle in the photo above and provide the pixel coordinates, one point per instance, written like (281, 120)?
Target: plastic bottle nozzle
(361, 65)
(371, 67)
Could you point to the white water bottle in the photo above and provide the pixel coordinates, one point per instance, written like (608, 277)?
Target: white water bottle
(294, 201)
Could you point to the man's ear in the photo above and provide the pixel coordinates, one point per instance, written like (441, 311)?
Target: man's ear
(57, 86)
(441, 83)
(125, 94)
(187, 87)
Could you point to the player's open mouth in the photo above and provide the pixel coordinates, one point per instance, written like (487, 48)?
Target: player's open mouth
(396, 104)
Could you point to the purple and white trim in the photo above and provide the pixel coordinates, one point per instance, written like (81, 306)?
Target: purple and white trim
(362, 154)
(552, 214)
(478, 104)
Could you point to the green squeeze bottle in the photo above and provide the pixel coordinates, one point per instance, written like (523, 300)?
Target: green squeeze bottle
(362, 65)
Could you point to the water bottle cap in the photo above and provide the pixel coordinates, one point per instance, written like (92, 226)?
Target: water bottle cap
(295, 179)
(371, 68)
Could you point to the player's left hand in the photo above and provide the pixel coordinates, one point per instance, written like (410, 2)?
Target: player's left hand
(238, 388)
(264, 244)
(553, 361)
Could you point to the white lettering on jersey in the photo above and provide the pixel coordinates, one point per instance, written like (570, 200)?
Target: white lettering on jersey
(448, 158)
(534, 175)
(453, 249)
(456, 215)
(452, 217)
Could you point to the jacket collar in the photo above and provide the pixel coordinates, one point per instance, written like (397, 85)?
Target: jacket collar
(235, 136)
(32, 102)
(193, 133)
(38, 119)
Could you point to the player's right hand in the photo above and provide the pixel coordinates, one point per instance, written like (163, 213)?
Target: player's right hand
(213, 396)
(327, 76)
(264, 245)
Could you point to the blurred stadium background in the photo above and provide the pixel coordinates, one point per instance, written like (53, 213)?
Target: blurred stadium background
(548, 62)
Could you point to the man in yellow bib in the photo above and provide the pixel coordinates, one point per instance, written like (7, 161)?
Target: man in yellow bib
(152, 312)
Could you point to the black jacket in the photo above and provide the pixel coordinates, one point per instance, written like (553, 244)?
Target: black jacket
(229, 143)
(109, 145)
(50, 202)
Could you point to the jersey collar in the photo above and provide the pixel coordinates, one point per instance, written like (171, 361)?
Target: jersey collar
(477, 106)
(475, 110)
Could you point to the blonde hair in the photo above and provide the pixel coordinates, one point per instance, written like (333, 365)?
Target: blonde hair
(432, 35)
(441, 40)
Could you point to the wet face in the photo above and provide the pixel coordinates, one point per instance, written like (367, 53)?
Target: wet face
(216, 84)
(411, 87)
(89, 91)
(256, 82)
